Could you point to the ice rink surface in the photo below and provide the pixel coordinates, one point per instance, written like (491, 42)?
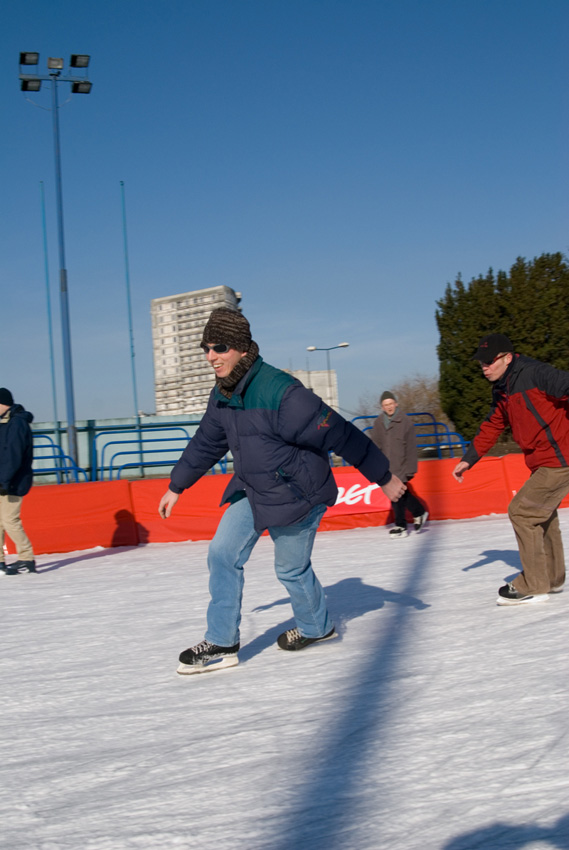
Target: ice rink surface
(438, 720)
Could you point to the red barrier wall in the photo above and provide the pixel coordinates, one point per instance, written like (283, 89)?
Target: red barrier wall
(195, 516)
(64, 518)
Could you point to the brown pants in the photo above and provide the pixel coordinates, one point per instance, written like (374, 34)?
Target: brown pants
(533, 513)
(11, 523)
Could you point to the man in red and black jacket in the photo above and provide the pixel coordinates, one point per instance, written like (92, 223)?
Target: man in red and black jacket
(533, 399)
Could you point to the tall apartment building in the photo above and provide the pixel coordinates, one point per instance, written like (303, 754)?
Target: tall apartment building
(182, 376)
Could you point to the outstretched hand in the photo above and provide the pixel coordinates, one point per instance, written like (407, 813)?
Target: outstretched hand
(461, 467)
(394, 489)
(167, 503)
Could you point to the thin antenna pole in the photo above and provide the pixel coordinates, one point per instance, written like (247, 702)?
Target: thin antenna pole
(130, 328)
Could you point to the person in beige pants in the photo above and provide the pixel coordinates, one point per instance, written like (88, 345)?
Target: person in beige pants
(532, 398)
(16, 476)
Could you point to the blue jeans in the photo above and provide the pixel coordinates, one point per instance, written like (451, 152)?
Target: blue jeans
(229, 551)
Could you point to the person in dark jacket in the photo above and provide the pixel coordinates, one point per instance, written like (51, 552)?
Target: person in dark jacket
(279, 434)
(394, 433)
(533, 399)
(16, 455)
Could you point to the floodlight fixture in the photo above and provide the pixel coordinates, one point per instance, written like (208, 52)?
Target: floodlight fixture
(81, 87)
(79, 60)
(332, 347)
(29, 58)
(32, 84)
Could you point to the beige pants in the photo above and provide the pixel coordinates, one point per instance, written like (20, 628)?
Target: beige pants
(533, 513)
(10, 523)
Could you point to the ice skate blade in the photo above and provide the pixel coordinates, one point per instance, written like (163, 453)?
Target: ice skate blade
(532, 600)
(216, 664)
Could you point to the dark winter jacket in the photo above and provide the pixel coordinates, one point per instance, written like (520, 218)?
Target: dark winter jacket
(533, 399)
(398, 443)
(16, 451)
(279, 434)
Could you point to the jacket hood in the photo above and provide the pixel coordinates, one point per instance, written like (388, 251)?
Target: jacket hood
(18, 410)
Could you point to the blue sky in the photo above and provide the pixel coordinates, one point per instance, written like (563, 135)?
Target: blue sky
(337, 161)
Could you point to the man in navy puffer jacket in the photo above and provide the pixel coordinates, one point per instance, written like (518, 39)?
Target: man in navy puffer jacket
(16, 476)
(279, 434)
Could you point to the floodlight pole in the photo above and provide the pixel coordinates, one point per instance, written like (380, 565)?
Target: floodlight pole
(64, 302)
(79, 85)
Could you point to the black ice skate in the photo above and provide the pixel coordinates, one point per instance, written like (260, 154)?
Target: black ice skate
(293, 640)
(508, 595)
(419, 521)
(21, 567)
(206, 656)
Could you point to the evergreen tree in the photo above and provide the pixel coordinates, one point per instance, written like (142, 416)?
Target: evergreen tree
(534, 301)
(465, 315)
(530, 305)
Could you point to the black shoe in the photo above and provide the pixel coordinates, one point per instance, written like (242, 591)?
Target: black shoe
(508, 595)
(207, 656)
(397, 531)
(293, 640)
(21, 567)
(2, 567)
(419, 521)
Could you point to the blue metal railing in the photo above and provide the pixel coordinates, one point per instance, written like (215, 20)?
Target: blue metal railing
(147, 448)
(115, 450)
(139, 441)
(63, 467)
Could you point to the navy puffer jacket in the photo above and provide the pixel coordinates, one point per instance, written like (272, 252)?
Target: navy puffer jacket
(16, 452)
(279, 434)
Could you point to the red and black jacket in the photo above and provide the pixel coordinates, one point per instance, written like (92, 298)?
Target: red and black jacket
(533, 399)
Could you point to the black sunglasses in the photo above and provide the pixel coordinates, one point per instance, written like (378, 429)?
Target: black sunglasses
(220, 348)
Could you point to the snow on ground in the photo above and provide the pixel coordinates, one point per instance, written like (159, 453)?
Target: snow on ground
(439, 721)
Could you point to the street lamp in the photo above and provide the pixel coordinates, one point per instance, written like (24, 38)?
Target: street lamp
(79, 85)
(328, 350)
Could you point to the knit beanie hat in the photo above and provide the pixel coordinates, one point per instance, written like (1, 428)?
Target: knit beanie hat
(6, 397)
(227, 326)
(387, 394)
(232, 328)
